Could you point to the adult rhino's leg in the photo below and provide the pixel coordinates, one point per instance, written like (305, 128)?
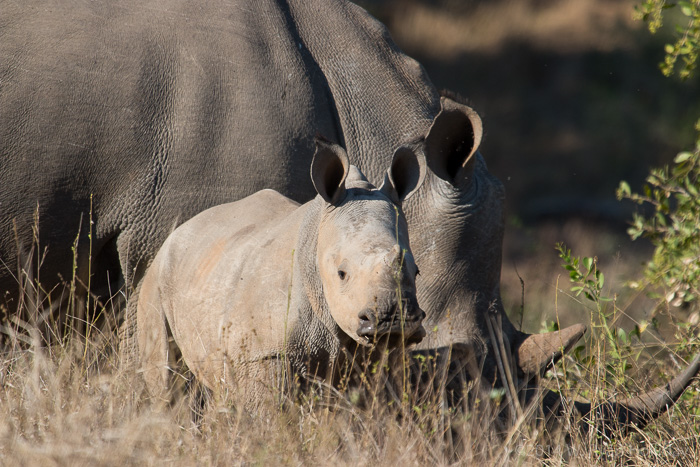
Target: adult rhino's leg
(134, 267)
(58, 282)
(22, 295)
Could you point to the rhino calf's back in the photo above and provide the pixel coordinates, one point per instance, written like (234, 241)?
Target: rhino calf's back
(215, 281)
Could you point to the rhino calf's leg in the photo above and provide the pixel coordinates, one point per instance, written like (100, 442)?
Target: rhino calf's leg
(128, 334)
(153, 346)
(134, 266)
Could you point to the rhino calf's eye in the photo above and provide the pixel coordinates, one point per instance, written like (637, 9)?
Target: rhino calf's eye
(342, 274)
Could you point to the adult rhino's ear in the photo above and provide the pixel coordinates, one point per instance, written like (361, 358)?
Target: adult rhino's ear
(452, 141)
(329, 169)
(405, 175)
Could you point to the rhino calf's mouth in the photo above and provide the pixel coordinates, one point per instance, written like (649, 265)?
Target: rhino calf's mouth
(410, 329)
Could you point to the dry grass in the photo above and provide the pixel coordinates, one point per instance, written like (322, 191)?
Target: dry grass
(71, 404)
(56, 410)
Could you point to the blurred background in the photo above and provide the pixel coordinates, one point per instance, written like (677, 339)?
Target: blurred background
(572, 102)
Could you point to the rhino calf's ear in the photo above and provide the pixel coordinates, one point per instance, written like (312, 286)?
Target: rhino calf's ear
(405, 175)
(452, 141)
(329, 169)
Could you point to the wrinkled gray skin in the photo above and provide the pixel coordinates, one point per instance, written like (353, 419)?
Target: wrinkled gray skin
(161, 109)
(246, 286)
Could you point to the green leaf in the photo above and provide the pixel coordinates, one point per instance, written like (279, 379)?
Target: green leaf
(682, 157)
(686, 8)
(601, 279)
(497, 394)
(622, 335)
(588, 264)
(624, 190)
(660, 219)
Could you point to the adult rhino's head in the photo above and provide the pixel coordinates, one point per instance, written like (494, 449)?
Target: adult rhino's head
(363, 257)
(457, 222)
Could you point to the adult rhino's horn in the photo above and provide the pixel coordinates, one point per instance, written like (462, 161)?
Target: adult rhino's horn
(536, 353)
(452, 140)
(619, 415)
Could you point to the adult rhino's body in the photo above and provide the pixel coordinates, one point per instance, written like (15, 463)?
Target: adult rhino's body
(141, 114)
(161, 109)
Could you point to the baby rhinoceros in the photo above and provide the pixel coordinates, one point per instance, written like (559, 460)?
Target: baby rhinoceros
(251, 289)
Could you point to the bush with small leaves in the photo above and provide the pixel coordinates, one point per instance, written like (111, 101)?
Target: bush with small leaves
(687, 42)
(673, 228)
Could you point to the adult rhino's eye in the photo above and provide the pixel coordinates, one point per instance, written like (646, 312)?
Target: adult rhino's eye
(342, 274)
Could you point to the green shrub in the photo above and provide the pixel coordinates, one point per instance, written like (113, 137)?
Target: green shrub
(687, 42)
(672, 224)
(673, 227)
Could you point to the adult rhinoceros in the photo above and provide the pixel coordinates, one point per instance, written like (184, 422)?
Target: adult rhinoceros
(140, 114)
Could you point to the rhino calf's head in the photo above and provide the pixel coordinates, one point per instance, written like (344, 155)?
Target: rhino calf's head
(364, 260)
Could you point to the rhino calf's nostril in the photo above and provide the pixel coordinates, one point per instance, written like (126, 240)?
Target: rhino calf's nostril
(366, 317)
(368, 323)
